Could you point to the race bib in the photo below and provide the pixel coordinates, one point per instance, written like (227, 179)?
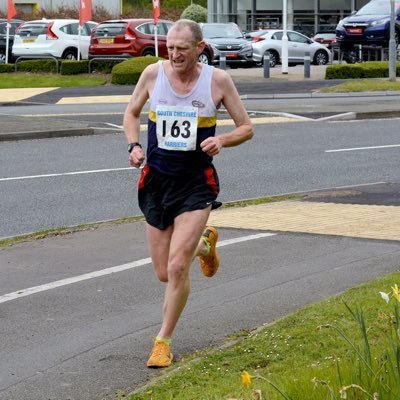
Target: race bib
(176, 127)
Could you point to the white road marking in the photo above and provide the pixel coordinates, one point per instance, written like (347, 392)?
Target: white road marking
(112, 270)
(363, 148)
(95, 171)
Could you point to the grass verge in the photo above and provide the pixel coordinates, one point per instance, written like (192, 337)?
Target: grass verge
(302, 355)
(67, 230)
(362, 85)
(27, 80)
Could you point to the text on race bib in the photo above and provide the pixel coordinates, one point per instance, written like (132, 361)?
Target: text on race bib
(176, 127)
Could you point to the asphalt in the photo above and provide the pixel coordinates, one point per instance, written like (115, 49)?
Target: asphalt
(253, 86)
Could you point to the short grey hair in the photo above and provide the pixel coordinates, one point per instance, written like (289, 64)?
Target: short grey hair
(193, 26)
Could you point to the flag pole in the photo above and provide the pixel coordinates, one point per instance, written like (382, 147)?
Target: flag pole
(156, 13)
(156, 39)
(7, 41)
(79, 42)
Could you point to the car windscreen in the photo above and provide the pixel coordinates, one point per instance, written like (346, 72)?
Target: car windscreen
(33, 29)
(110, 29)
(377, 7)
(221, 31)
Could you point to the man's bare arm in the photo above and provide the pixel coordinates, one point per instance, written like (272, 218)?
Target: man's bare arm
(225, 91)
(132, 113)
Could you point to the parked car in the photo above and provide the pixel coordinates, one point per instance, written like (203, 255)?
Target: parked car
(134, 37)
(370, 25)
(327, 38)
(15, 23)
(228, 38)
(298, 44)
(55, 37)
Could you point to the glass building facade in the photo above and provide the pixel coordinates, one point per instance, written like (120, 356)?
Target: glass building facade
(307, 16)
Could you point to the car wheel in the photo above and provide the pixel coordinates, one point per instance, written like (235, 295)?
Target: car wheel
(273, 59)
(204, 58)
(350, 56)
(148, 53)
(321, 58)
(70, 54)
(2, 58)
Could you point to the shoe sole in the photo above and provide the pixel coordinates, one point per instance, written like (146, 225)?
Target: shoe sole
(206, 273)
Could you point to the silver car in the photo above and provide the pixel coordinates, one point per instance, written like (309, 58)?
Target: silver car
(298, 44)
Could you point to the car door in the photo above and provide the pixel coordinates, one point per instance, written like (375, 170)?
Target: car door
(298, 44)
(71, 31)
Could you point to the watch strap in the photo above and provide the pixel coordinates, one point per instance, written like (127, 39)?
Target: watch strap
(132, 145)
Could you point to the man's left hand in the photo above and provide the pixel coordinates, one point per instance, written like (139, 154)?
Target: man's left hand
(212, 146)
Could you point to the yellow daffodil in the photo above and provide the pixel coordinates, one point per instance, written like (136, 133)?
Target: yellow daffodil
(245, 378)
(395, 292)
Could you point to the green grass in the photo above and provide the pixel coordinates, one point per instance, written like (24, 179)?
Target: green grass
(299, 354)
(362, 85)
(26, 80)
(62, 230)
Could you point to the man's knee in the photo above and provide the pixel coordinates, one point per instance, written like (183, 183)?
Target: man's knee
(162, 276)
(177, 270)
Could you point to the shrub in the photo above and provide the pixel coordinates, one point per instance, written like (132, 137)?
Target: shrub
(370, 69)
(128, 72)
(6, 68)
(195, 13)
(43, 65)
(104, 66)
(74, 67)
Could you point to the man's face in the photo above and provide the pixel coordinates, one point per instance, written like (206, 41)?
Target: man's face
(183, 50)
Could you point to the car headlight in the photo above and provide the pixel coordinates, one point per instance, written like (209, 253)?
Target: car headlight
(247, 46)
(379, 22)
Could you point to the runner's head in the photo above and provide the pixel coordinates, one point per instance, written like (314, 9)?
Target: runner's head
(184, 44)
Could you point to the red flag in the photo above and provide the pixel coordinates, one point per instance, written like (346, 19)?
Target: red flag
(85, 11)
(156, 10)
(11, 11)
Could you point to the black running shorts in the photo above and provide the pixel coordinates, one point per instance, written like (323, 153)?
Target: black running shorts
(163, 197)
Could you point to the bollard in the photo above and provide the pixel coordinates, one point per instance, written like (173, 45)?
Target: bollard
(222, 60)
(360, 55)
(266, 64)
(307, 61)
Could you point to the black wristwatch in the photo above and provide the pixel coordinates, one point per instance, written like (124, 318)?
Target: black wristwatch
(132, 145)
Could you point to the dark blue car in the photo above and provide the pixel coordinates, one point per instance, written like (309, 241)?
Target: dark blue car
(370, 25)
(15, 23)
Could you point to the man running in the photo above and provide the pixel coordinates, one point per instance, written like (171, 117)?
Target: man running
(178, 185)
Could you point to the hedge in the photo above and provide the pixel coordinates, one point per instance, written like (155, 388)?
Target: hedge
(6, 68)
(44, 65)
(369, 69)
(128, 72)
(74, 67)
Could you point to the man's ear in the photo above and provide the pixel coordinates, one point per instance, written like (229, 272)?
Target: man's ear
(201, 46)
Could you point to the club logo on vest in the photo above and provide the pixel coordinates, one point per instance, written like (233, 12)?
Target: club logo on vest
(198, 104)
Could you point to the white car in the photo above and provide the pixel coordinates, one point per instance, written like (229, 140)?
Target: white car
(56, 37)
(298, 45)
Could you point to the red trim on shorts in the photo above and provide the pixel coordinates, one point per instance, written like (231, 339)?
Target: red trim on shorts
(143, 175)
(210, 179)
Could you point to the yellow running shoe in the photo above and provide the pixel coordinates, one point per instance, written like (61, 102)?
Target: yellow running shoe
(160, 355)
(210, 263)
